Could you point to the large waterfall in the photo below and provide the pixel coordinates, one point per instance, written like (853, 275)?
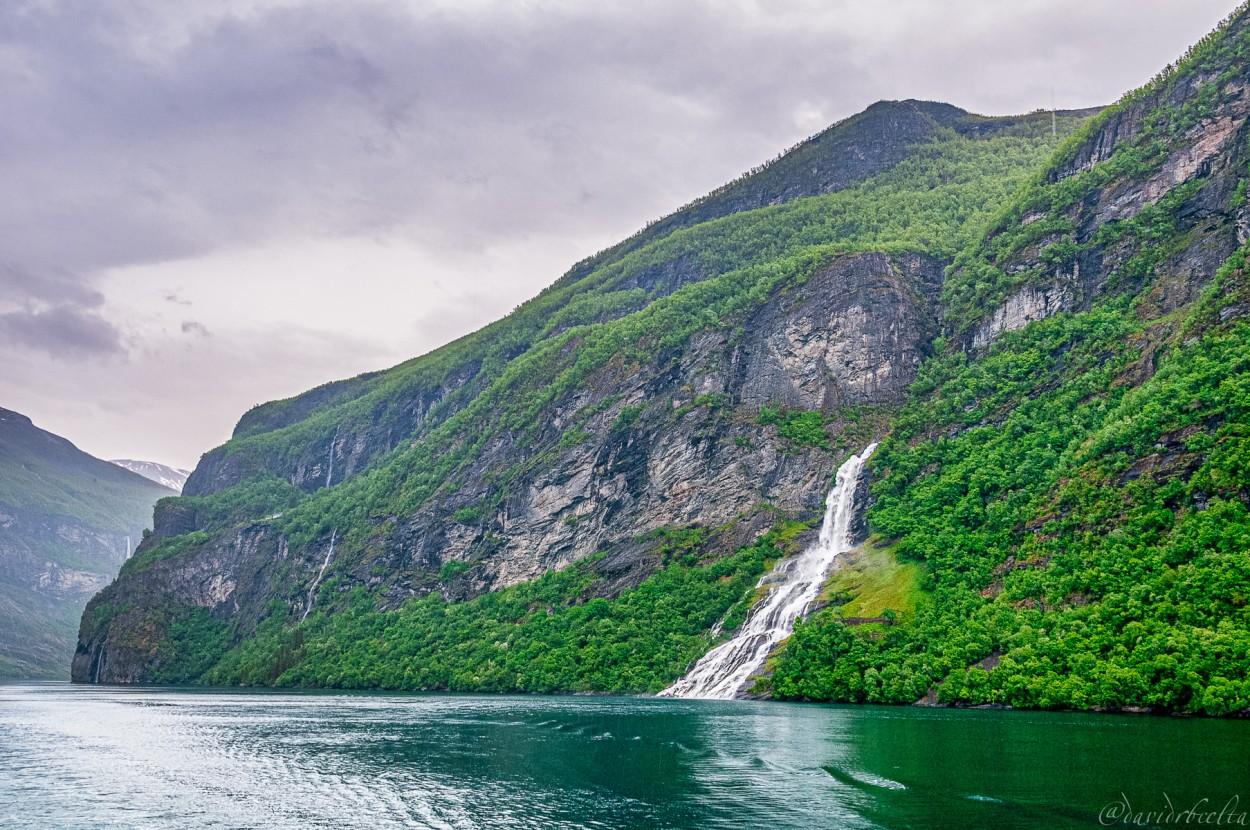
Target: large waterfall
(725, 670)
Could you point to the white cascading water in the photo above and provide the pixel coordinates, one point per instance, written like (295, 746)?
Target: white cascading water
(724, 671)
(312, 592)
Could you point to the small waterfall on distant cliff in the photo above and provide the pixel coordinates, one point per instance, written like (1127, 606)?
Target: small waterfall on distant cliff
(724, 670)
(312, 592)
(330, 464)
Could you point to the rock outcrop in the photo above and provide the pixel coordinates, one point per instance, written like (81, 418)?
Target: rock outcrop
(1108, 241)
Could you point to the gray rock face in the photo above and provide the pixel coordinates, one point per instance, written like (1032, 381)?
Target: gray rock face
(853, 335)
(346, 447)
(1026, 305)
(1213, 153)
(228, 576)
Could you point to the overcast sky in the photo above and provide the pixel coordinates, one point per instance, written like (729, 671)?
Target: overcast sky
(211, 205)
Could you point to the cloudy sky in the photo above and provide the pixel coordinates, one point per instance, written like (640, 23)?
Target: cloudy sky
(211, 205)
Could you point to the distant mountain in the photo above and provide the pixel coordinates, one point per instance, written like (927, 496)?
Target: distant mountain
(67, 522)
(170, 477)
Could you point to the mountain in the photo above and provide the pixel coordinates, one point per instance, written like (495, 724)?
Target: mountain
(170, 477)
(629, 430)
(67, 522)
(1046, 333)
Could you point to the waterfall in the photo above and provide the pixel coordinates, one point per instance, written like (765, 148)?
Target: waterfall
(312, 592)
(724, 671)
(330, 465)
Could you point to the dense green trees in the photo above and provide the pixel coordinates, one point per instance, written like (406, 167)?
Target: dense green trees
(553, 634)
(1091, 543)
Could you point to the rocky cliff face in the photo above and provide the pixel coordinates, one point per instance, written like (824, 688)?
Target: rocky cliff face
(852, 336)
(1150, 197)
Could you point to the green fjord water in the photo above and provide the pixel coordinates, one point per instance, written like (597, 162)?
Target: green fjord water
(90, 757)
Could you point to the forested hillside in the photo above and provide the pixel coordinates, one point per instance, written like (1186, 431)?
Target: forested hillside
(1077, 490)
(1047, 332)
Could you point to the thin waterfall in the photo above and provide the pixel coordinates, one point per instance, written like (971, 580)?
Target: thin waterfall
(723, 672)
(330, 465)
(312, 592)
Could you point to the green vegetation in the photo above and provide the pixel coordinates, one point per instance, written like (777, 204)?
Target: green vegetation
(800, 428)
(453, 568)
(554, 634)
(194, 642)
(1092, 542)
(871, 581)
(628, 416)
(467, 515)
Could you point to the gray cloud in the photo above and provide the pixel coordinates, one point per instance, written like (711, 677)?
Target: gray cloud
(146, 132)
(338, 119)
(62, 331)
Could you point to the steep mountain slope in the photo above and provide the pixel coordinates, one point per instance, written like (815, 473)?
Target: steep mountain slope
(1072, 469)
(170, 477)
(67, 522)
(663, 404)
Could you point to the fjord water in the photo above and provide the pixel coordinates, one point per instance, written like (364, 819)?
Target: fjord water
(92, 757)
(724, 672)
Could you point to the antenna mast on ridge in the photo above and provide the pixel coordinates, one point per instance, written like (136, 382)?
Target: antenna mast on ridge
(1054, 117)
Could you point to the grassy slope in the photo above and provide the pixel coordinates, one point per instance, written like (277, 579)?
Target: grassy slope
(871, 581)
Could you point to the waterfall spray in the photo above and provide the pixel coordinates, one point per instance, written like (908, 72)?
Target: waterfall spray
(724, 671)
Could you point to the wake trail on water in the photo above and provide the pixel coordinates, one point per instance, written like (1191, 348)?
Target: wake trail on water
(722, 673)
